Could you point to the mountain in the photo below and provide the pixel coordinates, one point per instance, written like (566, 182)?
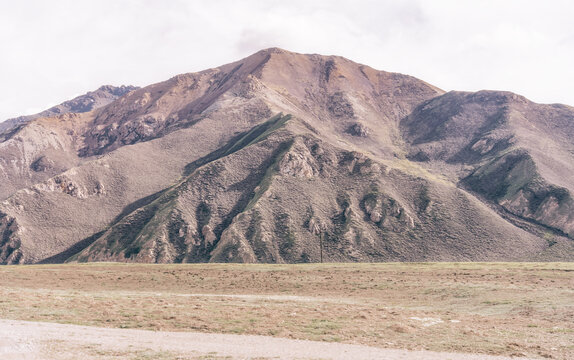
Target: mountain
(83, 103)
(18, 161)
(285, 157)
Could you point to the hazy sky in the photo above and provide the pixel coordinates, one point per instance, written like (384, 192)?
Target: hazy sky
(54, 50)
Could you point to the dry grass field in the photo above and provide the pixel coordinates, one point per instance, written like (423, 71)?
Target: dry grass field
(512, 309)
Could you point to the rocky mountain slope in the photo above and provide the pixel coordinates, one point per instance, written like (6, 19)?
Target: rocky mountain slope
(20, 163)
(284, 157)
(80, 104)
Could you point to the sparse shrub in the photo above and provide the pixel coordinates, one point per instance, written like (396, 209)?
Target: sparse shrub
(132, 251)
(202, 215)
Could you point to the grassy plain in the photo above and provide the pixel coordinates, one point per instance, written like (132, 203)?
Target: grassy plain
(516, 309)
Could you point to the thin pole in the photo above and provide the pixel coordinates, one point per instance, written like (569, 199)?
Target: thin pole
(321, 245)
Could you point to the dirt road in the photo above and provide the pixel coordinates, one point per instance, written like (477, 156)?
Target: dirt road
(36, 340)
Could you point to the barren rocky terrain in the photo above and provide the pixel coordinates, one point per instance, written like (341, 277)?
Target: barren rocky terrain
(80, 104)
(290, 158)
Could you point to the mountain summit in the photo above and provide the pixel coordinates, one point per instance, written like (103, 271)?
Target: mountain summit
(83, 103)
(285, 157)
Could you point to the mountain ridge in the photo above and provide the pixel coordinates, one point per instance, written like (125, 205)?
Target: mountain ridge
(83, 103)
(285, 157)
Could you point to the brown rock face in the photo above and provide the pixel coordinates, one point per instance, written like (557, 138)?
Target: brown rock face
(83, 103)
(299, 162)
(359, 130)
(283, 157)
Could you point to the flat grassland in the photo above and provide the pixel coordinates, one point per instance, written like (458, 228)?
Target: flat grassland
(512, 309)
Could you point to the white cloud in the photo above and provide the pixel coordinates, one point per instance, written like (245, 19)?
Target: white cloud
(53, 49)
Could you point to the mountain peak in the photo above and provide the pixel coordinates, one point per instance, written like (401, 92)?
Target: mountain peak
(89, 101)
(275, 50)
(287, 157)
(116, 90)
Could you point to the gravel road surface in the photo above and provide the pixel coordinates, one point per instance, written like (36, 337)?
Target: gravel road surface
(47, 341)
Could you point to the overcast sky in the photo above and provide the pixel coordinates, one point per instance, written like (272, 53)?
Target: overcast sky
(54, 50)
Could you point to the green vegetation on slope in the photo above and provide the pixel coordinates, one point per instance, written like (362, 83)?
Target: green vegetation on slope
(141, 225)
